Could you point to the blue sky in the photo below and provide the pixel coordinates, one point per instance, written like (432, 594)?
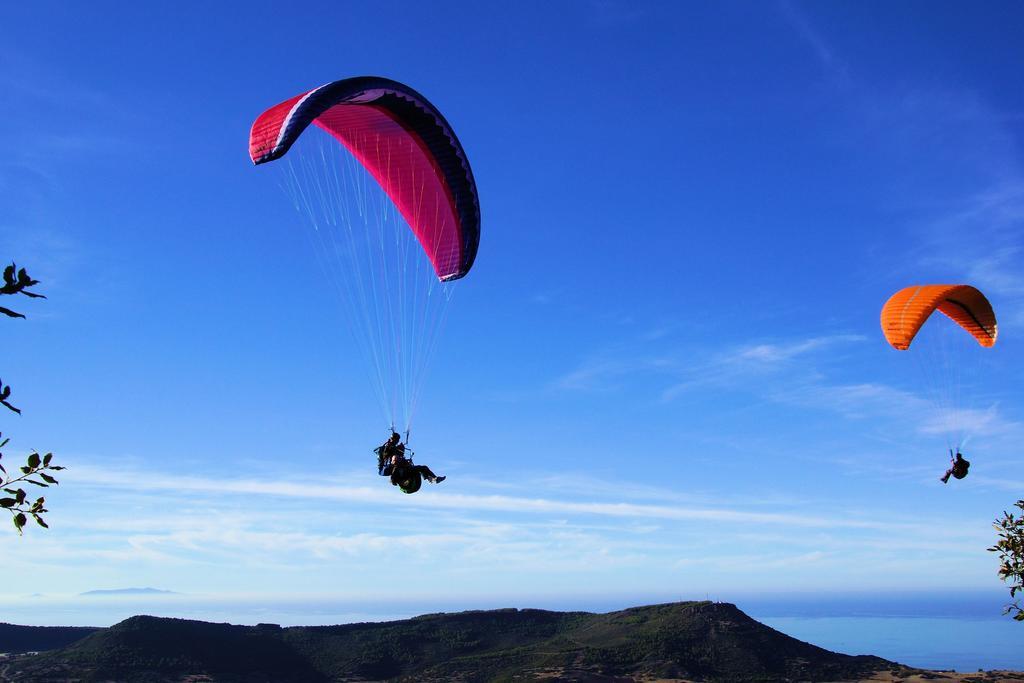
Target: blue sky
(664, 377)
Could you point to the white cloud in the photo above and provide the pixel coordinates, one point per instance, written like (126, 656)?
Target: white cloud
(822, 50)
(741, 366)
(969, 216)
(352, 532)
(993, 258)
(604, 374)
(777, 353)
(684, 371)
(186, 487)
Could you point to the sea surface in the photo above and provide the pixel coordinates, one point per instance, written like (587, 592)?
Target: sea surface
(961, 631)
(928, 643)
(956, 630)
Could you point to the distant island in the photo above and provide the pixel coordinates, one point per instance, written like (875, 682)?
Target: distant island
(675, 642)
(130, 591)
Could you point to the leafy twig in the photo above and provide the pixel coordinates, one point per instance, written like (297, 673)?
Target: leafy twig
(36, 468)
(1011, 557)
(17, 282)
(5, 393)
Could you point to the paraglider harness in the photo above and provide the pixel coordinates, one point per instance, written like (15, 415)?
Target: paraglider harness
(958, 464)
(403, 473)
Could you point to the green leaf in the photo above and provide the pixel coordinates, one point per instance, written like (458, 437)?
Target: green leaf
(34, 460)
(19, 521)
(47, 478)
(40, 522)
(37, 483)
(4, 442)
(46, 459)
(7, 502)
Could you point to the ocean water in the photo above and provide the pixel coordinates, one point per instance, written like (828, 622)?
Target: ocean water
(959, 630)
(960, 644)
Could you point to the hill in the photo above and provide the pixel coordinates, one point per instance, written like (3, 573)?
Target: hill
(677, 641)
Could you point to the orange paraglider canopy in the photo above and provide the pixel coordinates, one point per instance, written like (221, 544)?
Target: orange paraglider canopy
(908, 309)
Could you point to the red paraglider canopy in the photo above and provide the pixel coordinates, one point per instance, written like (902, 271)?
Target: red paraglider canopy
(408, 147)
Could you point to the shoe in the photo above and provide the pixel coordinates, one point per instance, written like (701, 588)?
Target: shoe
(438, 480)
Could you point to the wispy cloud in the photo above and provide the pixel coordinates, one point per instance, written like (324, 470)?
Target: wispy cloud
(875, 401)
(742, 365)
(460, 502)
(805, 373)
(52, 257)
(972, 228)
(856, 401)
(686, 370)
(352, 530)
(777, 353)
(604, 374)
(993, 256)
(813, 38)
(60, 119)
